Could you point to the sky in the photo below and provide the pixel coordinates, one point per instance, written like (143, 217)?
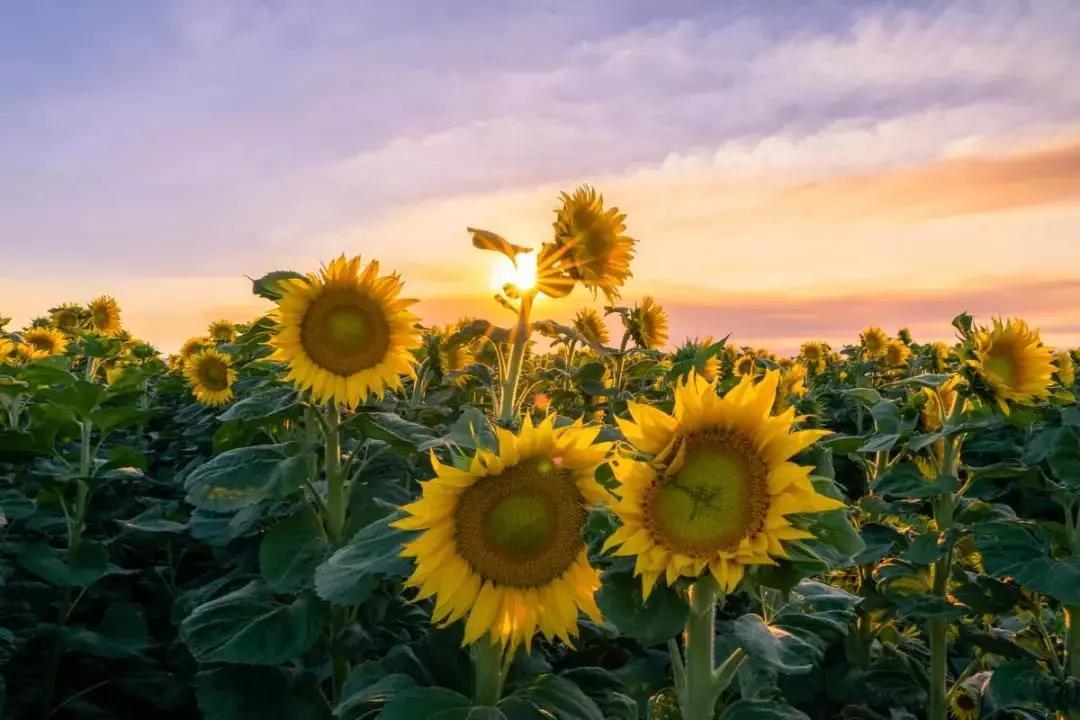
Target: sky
(791, 170)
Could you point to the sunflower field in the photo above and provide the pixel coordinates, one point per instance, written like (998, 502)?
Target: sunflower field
(336, 511)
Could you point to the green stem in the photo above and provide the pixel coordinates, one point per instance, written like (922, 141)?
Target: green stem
(938, 627)
(620, 361)
(335, 478)
(1072, 641)
(697, 697)
(489, 672)
(517, 356)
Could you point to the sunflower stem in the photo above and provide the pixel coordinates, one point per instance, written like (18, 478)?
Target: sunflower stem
(489, 672)
(702, 684)
(938, 627)
(517, 357)
(335, 478)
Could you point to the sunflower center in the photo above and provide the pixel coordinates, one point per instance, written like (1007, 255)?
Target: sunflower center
(965, 702)
(345, 332)
(101, 317)
(1002, 363)
(521, 528)
(42, 342)
(717, 497)
(213, 374)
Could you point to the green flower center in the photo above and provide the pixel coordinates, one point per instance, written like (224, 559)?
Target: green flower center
(345, 331)
(714, 499)
(521, 528)
(1002, 363)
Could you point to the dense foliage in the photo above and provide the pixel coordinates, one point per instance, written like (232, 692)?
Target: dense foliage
(230, 544)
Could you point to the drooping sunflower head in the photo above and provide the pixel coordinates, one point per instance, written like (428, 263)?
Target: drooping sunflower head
(792, 385)
(66, 317)
(719, 486)
(649, 324)
(190, 347)
(896, 353)
(210, 374)
(590, 242)
(873, 341)
(1066, 369)
(345, 333)
(451, 357)
(1012, 360)
(939, 355)
(500, 541)
(221, 331)
(940, 402)
(42, 342)
(589, 323)
(105, 315)
(746, 365)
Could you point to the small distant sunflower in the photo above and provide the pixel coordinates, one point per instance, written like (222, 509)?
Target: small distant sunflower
(897, 353)
(692, 352)
(43, 342)
(873, 341)
(190, 347)
(210, 374)
(456, 357)
(964, 703)
(649, 324)
(1066, 370)
(221, 331)
(719, 487)
(105, 315)
(501, 541)
(746, 365)
(66, 317)
(589, 323)
(590, 244)
(1014, 363)
(939, 353)
(792, 385)
(344, 333)
(814, 352)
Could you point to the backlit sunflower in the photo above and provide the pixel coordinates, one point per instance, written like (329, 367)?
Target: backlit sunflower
(746, 365)
(344, 333)
(105, 315)
(1013, 361)
(590, 244)
(210, 374)
(7, 347)
(501, 540)
(649, 324)
(589, 323)
(719, 486)
(66, 317)
(190, 347)
(221, 331)
(43, 342)
(792, 385)
(940, 403)
(939, 354)
(455, 357)
(691, 352)
(873, 341)
(1065, 369)
(896, 353)
(814, 352)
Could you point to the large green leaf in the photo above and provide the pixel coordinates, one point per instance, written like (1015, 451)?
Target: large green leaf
(249, 626)
(774, 647)
(558, 697)
(84, 567)
(1021, 550)
(761, 709)
(244, 476)
(427, 702)
(291, 550)
(650, 622)
(353, 572)
(269, 285)
(905, 481)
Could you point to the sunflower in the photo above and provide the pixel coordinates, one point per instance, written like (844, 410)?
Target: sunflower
(589, 242)
(649, 324)
(720, 484)
(814, 352)
(501, 539)
(1013, 362)
(210, 374)
(105, 315)
(591, 326)
(344, 333)
(939, 403)
(1066, 369)
(792, 385)
(221, 331)
(873, 341)
(456, 357)
(964, 703)
(939, 354)
(66, 317)
(43, 342)
(896, 353)
(190, 347)
(7, 347)
(746, 365)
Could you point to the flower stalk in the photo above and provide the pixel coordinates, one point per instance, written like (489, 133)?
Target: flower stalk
(489, 672)
(698, 682)
(517, 356)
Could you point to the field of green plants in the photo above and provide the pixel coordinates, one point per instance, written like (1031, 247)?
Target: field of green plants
(337, 511)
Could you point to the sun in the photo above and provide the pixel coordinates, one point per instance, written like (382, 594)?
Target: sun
(521, 276)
